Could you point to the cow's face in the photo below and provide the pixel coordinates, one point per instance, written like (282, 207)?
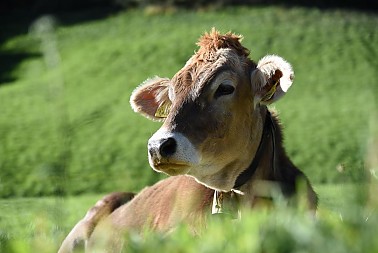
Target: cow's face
(212, 113)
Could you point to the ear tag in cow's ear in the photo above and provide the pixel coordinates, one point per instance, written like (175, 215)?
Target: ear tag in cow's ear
(164, 109)
(271, 92)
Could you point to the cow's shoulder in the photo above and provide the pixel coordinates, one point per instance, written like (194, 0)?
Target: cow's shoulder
(168, 201)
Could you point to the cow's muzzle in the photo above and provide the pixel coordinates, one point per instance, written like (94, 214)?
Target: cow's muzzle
(171, 153)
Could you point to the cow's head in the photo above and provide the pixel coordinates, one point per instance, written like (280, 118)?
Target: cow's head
(213, 110)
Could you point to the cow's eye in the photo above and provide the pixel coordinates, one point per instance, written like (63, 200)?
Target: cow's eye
(224, 89)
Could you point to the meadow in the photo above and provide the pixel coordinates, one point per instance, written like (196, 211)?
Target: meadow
(68, 134)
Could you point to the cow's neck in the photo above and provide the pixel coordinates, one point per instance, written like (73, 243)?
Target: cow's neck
(267, 137)
(248, 183)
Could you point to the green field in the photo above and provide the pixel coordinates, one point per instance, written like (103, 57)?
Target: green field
(41, 224)
(67, 129)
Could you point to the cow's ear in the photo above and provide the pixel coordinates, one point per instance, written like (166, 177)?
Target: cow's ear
(151, 99)
(271, 79)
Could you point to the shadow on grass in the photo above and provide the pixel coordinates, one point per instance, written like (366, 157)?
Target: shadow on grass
(17, 23)
(10, 60)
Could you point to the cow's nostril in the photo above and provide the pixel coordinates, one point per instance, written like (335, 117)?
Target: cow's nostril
(168, 147)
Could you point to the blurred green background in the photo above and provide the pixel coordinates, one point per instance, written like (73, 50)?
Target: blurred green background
(66, 126)
(67, 129)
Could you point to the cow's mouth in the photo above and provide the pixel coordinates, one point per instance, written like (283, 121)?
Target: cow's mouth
(172, 169)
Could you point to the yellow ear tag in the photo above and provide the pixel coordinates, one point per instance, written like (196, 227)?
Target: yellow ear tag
(271, 92)
(163, 110)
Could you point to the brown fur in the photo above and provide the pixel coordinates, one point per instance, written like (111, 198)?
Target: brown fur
(84, 228)
(216, 138)
(211, 42)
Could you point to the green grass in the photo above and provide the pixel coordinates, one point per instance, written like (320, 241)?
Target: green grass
(39, 224)
(66, 126)
(344, 224)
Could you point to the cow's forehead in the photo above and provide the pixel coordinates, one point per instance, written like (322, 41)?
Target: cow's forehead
(192, 77)
(215, 51)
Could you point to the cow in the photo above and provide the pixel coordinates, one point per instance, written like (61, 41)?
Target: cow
(219, 143)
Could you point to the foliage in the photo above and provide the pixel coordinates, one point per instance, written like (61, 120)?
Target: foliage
(343, 225)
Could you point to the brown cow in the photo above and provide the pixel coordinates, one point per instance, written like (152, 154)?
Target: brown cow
(219, 142)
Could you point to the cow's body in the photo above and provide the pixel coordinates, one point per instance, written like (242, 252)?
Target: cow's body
(218, 137)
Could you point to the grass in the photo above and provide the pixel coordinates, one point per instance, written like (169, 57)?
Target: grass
(39, 224)
(42, 223)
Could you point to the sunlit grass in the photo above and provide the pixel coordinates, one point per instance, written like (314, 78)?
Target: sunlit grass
(342, 225)
(76, 118)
